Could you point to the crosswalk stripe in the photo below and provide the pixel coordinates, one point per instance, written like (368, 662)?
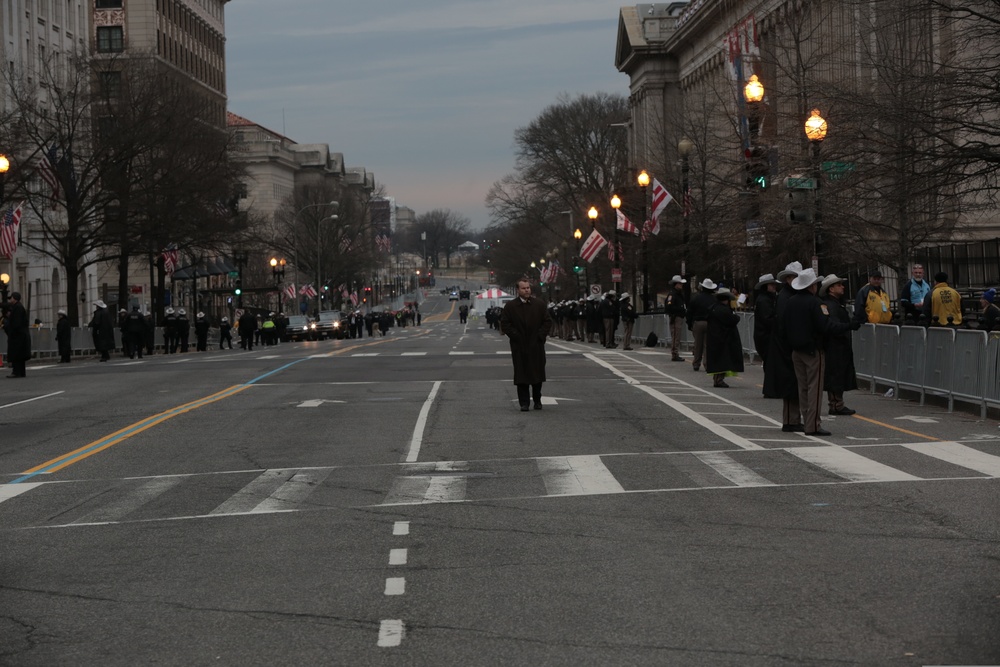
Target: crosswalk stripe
(8, 491)
(292, 494)
(251, 495)
(132, 501)
(576, 476)
(737, 473)
(849, 465)
(413, 354)
(960, 455)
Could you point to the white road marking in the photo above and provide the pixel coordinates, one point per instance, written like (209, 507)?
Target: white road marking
(418, 428)
(249, 497)
(454, 354)
(29, 400)
(395, 586)
(737, 473)
(849, 465)
(577, 476)
(413, 354)
(132, 501)
(292, 494)
(397, 556)
(8, 491)
(131, 363)
(315, 403)
(41, 368)
(918, 419)
(960, 455)
(268, 356)
(398, 528)
(390, 633)
(366, 354)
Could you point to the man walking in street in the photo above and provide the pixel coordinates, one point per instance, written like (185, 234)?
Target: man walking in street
(15, 325)
(676, 310)
(697, 318)
(526, 323)
(628, 317)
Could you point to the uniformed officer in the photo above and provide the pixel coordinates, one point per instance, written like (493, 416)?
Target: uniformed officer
(628, 317)
(183, 329)
(134, 332)
(169, 331)
(225, 333)
(676, 310)
(806, 321)
(201, 332)
(697, 318)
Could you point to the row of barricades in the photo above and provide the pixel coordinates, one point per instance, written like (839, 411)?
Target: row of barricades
(956, 364)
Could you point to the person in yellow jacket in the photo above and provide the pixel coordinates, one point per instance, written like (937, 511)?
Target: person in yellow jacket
(944, 302)
(871, 305)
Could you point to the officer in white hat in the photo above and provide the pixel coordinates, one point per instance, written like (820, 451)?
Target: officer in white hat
(697, 318)
(764, 303)
(675, 307)
(840, 374)
(609, 317)
(628, 317)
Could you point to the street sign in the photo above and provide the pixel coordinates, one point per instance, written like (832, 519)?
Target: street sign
(596, 290)
(616, 275)
(838, 170)
(800, 183)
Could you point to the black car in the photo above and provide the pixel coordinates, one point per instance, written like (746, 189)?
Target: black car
(300, 327)
(330, 324)
(464, 294)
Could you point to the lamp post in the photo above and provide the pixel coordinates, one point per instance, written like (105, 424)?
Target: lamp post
(578, 235)
(684, 147)
(643, 180)
(815, 128)
(4, 281)
(240, 257)
(592, 214)
(278, 273)
(4, 278)
(616, 203)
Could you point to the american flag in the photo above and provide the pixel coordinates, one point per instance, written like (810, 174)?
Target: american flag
(611, 251)
(688, 207)
(170, 258)
(290, 290)
(343, 291)
(354, 298)
(383, 242)
(592, 246)
(8, 231)
(651, 226)
(47, 170)
(307, 291)
(660, 198)
(625, 224)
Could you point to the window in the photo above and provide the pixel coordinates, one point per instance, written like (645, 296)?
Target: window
(111, 84)
(108, 4)
(110, 39)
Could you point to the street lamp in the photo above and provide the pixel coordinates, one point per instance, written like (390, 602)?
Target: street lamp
(4, 281)
(815, 128)
(643, 180)
(684, 147)
(4, 168)
(278, 273)
(616, 203)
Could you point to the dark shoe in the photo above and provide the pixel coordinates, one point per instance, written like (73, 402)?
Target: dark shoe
(820, 432)
(697, 368)
(722, 384)
(793, 428)
(538, 406)
(626, 348)
(676, 359)
(525, 407)
(843, 411)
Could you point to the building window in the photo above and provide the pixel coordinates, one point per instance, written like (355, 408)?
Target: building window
(108, 4)
(110, 39)
(111, 84)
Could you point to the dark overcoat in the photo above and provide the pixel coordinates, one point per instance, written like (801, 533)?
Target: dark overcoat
(18, 334)
(724, 349)
(594, 323)
(526, 326)
(64, 336)
(840, 375)
(103, 329)
(779, 375)
(763, 322)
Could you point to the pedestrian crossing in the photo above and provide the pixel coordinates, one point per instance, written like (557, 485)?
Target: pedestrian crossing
(64, 504)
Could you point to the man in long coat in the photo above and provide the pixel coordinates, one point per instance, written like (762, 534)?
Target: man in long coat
(102, 326)
(840, 375)
(15, 324)
(526, 323)
(723, 347)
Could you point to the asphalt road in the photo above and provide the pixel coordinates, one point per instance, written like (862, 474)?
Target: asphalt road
(384, 502)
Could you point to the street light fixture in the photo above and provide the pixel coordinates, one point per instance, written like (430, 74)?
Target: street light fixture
(4, 281)
(754, 90)
(643, 180)
(815, 128)
(616, 203)
(684, 147)
(278, 273)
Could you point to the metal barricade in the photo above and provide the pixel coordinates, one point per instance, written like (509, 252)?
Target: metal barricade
(991, 370)
(967, 368)
(912, 359)
(938, 360)
(864, 353)
(886, 355)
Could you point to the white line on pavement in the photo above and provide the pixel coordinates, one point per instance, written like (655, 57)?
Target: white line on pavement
(390, 633)
(397, 556)
(418, 429)
(29, 400)
(395, 586)
(398, 528)
(577, 476)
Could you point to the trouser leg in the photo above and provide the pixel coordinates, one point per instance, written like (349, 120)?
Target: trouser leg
(699, 329)
(790, 412)
(523, 395)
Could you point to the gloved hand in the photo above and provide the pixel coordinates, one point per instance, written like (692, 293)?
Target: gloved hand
(855, 325)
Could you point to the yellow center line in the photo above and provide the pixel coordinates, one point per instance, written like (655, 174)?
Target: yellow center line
(896, 428)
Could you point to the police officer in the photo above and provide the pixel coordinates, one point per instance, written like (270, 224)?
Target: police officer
(183, 329)
(225, 334)
(840, 374)
(628, 317)
(169, 331)
(675, 307)
(806, 321)
(134, 332)
(201, 332)
(697, 317)
(609, 316)
(247, 326)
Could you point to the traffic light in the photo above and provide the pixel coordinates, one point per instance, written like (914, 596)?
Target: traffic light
(239, 287)
(758, 167)
(577, 265)
(749, 205)
(799, 207)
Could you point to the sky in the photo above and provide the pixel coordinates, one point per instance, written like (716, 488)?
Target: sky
(426, 94)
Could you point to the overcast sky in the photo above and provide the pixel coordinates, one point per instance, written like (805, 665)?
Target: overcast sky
(426, 94)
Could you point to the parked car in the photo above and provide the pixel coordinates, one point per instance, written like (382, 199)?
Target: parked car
(464, 294)
(329, 324)
(300, 327)
(453, 296)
